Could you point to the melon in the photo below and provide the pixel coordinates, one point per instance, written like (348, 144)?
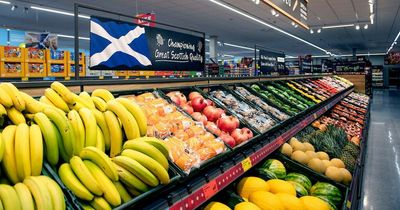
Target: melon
(334, 173)
(251, 184)
(300, 157)
(281, 186)
(300, 190)
(323, 155)
(346, 176)
(326, 192)
(311, 154)
(314, 203)
(292, 140)
(316, 165)
(216, 206)
(276, 167)
(246, 206)
(337, 163)
(327, 163)
(266, 200)
(299, 178)
(286, 149)
(298, 146)
(290, 202)
(309, 147)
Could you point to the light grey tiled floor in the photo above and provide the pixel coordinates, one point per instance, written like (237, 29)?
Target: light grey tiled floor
(382, 167)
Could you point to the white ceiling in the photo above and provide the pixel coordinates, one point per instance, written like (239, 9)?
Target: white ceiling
(203, 15)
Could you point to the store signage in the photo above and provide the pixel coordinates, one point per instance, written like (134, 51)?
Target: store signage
(143, 17)
(306, 64)
(116, 45)
(392, 58)
(271, 62)
(296, 10)
(41, 40)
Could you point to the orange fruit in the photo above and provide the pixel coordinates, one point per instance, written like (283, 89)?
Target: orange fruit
(186, 161)
(206, 153)
(196, 130)
(180, 134)
(217, 146)
(194, 143)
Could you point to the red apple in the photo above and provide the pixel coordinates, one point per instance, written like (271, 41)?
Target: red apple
(194, 95)
(213, 128)
(175, 99)
(198, 104)
(239, 136)
(248, 132)
(220, 111)
(212, 113)
(236, 120)
(187, 108)
(199, 117)
(227, 123)
(181, 97)
(209, 102)
(228, 139)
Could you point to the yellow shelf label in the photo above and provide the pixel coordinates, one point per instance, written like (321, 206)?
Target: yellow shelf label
(315, 115)
(246, 164)
(348, 204)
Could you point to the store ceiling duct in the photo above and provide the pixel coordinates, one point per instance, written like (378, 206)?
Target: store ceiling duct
(58, 12)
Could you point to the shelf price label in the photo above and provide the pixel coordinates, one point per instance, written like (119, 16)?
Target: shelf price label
(315, 115)
(246, 164)
(210, 189)
(348, 204)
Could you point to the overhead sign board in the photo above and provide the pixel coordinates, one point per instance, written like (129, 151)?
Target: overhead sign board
(117, 45)
(146, 19)
(270, 62)
(296, 10)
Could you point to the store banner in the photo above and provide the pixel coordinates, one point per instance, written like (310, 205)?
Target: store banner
(41, 40)
(144, 17)
(117, 45)
(270, 62)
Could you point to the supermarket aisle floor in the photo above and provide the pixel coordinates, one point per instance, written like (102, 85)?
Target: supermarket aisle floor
(382, 166)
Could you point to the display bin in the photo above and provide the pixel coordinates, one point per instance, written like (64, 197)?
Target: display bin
(56, 63)
(11, 62)
(35, 62)
(71, 64)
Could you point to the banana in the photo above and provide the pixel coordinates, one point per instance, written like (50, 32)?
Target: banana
(115, 132)
(90, 126)
(101, 159)
(8, 163)
(87, 206)
(131, 127)
(76, 106)
(2, 147)
(137, 169)
(111, 193)
(63, 91)
(101, 122)
(45, 100)
(99, 103)
(32, 105)
(69, 179)
(148, 150)
(100, 143)
(15, 116)
(134, 192)
(3, 111)
(39, 192)
(56, 99)
(100, 203)
(86, 97)
(103, 94)
(24, 196)
(57, 195)
(159, 144)
(36, 149)
(9, 198)
(50, 137)
(152, 165)
(22, 151)
(84, 175)
(13, 92)
(137, 112)
(5, 99)
(79, 130)
(130, 180)
(122, 192)
(4, 180)
(64, 127)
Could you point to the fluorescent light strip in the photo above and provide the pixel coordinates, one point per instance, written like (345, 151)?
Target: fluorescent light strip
(58, 12)
(5, 2)
(338, 26)
(393, 43)
(71, 37)
(266, 24)
(238, 46)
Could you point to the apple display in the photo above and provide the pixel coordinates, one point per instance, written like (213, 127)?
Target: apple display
(228, 139)
(194, 95)
(227, 123)
(239, 136)
(198, 104)
(187, 108)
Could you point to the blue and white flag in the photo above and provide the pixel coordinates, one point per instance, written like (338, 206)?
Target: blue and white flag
(117, 45)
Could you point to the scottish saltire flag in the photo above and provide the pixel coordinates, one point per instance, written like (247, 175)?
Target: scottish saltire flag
(115, 45)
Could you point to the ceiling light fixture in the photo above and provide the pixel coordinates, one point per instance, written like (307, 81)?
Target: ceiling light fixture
(5, 2)
(58, 12)
(71, 37)
(296, 25)
(366, 26)
(371, 18)
(14, 7)
(394, 42)
(293, 24)
(265, 24)
(256, 1)
(371, 8)
(319, 30)
(357, 27)
(273, 12)
(338, 26)
(311, 31)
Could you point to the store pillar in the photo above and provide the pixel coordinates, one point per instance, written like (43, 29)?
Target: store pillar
(213, 48)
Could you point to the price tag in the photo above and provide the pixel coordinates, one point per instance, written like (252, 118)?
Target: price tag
(348, 204)
(246, 164)
(210, 189)
(101, 77)
(186, 124)
(167, 109)
(24, 78)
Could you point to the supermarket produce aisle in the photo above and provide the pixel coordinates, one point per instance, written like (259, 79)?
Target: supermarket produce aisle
(382, 167)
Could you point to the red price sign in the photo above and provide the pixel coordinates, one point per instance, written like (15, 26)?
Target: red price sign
(210, 189)
(143, 17)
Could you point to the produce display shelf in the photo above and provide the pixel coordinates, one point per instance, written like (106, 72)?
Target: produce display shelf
(200, 190)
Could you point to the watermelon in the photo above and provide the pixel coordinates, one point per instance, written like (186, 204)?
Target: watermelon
(265, 174)
(331, 205)
(276, 167)
(327, 191)
(300, 190)
(299, 178)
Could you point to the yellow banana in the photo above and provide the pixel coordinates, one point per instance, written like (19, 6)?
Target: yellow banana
(64, 127)
(111, 193)
(130, 180)
(152, 165)
(22, 151)
(57, 195)
(84, 175)
(159, 144)
(13, 92)
(101, 159)
(148, 150)
(131, 127)
(100, 143)
(39, 192)
(63, 91)
(2, 147)
(87, 206)
(32, 105)
(9, 198)
(8, 163)
(122, 192)
(103, 94)
(5, 99)
(24, 196)
(99, 103)
(79, 130)
(3, 111)
(137, 169)
(36, 149)
(15, 116)
(86, 97)
(72, 182)
(45, 100)
(115, 132)
(100, 203)
(56, 99)
(50, 137)
(137, 112)
(101, 122)
(90, 126)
